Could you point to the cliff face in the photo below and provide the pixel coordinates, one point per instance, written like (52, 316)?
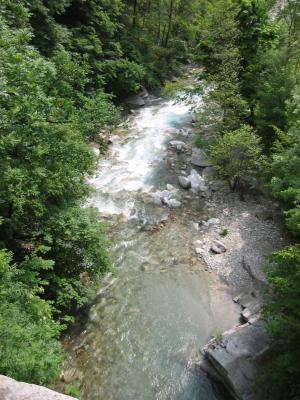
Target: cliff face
(233, 359)
(13, 390)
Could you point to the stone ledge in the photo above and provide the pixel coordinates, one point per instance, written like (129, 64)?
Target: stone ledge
(13, 390)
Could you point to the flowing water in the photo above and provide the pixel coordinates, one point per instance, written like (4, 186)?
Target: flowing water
(148, 323)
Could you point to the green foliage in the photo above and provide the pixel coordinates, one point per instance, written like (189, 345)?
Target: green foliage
(280, 378)
(224, 233)
(218, 47)
(29, 348)
(236, 156)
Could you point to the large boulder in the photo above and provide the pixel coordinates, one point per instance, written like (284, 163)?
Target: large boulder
(197, 182)
(135, 101)
(13, 390)
(199, 158)
(184, 182)
(233, 360)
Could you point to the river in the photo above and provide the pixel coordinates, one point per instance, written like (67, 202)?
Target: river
(148, 322)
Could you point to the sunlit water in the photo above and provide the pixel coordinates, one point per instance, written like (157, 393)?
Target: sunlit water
(147, 325)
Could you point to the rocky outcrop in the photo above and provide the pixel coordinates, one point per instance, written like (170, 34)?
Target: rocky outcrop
(199, 158)
(233, 359)
(13, 390)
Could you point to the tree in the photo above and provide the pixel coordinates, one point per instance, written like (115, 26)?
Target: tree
(236, 156)
(219, 52)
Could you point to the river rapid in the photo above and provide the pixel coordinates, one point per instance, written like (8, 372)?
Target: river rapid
(148, 322)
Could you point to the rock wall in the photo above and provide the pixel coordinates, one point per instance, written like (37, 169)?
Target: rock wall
(13, 390)
(233, 359)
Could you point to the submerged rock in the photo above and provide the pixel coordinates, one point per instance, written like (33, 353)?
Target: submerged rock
(233, 360)
(13, 390)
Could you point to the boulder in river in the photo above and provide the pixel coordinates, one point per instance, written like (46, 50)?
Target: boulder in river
(199, 158)
(13, 390)
(184, 182)
(233, 360)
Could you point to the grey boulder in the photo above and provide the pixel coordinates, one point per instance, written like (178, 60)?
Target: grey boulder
(197, 182)
(199, 158)
(233, 360)
(184, 182)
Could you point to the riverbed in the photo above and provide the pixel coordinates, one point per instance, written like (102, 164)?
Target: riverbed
(150, 319)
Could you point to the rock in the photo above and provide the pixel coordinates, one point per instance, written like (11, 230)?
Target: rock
(156, 199)
(69, 375)
(212, 221)
(114, 139)
(156, 217)
(216, 185)
(199, 251)
(184, 182)
(199, 158)
(255, 273)
(172, 203)
(264, 215)
(207, 172)
(13, 390)
(96, 148)
(143, 93)
(170, 188)
(197, 182)
(218, 247)
(194, 118)
(135, 101)
(178, 145)
(234, 360)
(195, 225)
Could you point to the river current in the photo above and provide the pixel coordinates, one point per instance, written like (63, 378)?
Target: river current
(149, 321)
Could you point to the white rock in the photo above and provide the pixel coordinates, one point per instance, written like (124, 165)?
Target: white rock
(218, 247)
(13, 390)
(178, 145)
(170, 187)
(197, 182)
(172, 203)
(212, 221)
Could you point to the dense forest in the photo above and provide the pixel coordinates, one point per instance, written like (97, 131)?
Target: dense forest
(66, 66)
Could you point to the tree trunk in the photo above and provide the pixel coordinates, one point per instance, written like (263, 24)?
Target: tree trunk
(169, 22)
(134, 13)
